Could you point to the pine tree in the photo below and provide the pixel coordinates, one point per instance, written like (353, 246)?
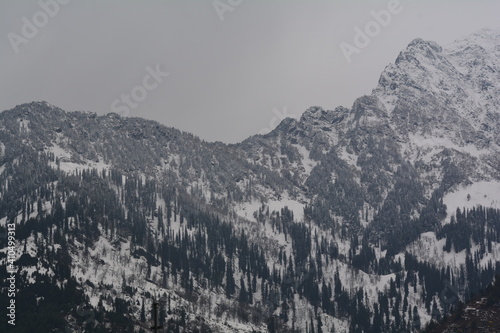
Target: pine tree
(230, 284)
(416, 318)
(143, 313)
(243, 297)
(436, 314)
(319, 324)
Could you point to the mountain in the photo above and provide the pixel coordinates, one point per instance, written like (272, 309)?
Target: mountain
(376, 218)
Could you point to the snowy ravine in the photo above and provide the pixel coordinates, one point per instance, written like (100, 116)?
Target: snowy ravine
(376, 218)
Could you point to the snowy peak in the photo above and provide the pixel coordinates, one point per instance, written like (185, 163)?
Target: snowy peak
(477, 57)
(317, 118)
(317, 113)
(420, 68)
(419, 48)
(451, 92)
(488, 39)
(37, 109)
(476, 54)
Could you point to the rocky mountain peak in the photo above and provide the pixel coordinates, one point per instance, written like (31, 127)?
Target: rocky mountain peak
(417, 48)
(316, 115)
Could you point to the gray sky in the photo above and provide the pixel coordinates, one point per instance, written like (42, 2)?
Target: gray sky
(233, 71)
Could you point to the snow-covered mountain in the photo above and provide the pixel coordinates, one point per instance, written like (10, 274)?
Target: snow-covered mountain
(374, 218)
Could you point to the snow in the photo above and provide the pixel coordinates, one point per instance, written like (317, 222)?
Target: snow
(307, 162)
(350, 158)
(475, 57)
(484, 193)
(24, 125)
(388, 101)
(66, 165)
(246, 210)
(71, 167)
(433, 144)
(59, 152)
(487, 38)
(429, 249)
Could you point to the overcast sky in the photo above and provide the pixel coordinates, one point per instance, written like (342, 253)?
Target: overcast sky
(235, 67)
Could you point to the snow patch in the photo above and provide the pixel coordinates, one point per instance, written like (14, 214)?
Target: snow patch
(24, 125)
(307, 162)
(2, 150)
(66, 165)
(246, 209)
(484, 193)
(429, 249)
